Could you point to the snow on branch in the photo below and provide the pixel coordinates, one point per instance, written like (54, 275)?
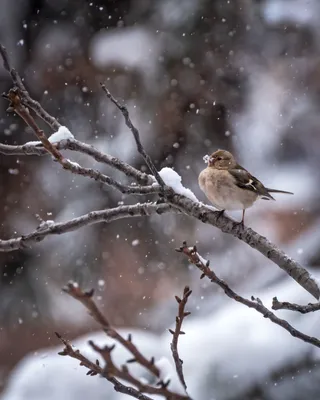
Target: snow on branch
(255, 303)
(111, 371)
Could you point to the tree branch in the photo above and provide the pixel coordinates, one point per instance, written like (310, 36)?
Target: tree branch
(249, 236)
(255, 303)
(95, 369)
(93, 217)
(27, 100)
(75, 168)
(177, 332)
(86, 300)
(111, 371)
(76, 145)
(278, 305)
(16, 105)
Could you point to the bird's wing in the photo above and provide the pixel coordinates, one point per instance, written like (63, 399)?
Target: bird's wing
(244, 180)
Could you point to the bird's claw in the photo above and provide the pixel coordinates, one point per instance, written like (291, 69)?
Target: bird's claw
(220, 214)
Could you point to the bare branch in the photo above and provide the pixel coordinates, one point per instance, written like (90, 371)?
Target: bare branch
(278, 305)
(136, 136)
(255, 303)
(93, 217)
(86, 299)
(27, 100)
(75, 145)
(111, 370)
(249, 236)
(123, 373)
(95, 369)
(177, 332)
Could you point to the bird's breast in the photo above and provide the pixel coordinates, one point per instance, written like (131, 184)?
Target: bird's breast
(220, 188)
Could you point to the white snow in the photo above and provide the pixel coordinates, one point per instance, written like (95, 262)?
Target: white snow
(62, 133)
(173, 179)
(206, 158)
(75, 164)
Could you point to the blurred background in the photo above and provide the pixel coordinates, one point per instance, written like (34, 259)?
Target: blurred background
(196, 75)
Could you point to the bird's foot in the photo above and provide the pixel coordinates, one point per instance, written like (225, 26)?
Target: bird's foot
(241, 223)
(220, 214)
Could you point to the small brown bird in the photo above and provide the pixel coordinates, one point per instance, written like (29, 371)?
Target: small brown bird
(231, 187)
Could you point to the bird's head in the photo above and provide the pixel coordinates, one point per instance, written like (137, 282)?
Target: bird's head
(221, 159)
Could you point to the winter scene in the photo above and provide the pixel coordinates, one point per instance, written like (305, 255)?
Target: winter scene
(159, 199)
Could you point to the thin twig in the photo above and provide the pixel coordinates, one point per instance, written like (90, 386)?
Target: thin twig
(136, 135)
(27, 100)
(279, 305)
(93, 217)
(255, 303)
(77, 169)
(177, 332)
(95, 369)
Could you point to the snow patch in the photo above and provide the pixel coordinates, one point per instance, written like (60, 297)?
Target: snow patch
(173, 179)
(63, 133)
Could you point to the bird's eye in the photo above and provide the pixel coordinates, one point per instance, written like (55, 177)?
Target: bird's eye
(219, 158)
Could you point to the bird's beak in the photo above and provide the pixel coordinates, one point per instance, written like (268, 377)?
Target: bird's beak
(211, 160)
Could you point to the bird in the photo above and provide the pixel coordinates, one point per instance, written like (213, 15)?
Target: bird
(229, 186)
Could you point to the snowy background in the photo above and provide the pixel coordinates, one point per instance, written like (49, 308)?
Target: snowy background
(196, 75)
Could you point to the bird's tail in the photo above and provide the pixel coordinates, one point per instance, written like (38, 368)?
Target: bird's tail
(278, 191)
